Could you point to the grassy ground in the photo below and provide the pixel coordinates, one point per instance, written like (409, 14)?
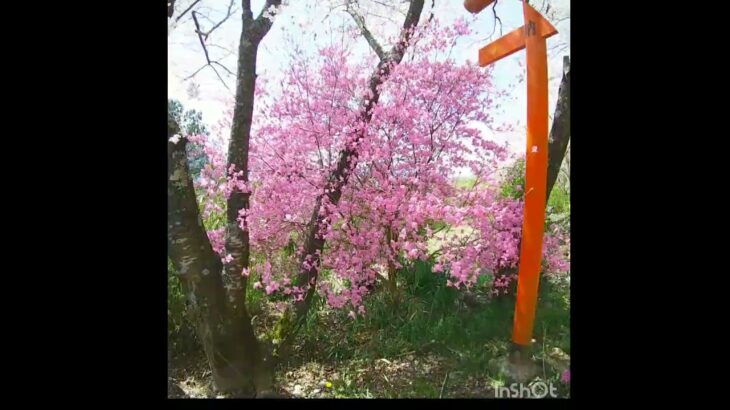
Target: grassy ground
(431, 345)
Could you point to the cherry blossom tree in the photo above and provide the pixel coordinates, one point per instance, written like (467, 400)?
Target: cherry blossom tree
(399, 203)
(216, 286)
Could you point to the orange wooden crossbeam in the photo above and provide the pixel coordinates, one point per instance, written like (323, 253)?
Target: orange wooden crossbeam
(512, 42)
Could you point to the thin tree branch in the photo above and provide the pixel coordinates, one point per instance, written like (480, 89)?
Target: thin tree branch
(203, 12)
(388, 5)
(228, 14)
(360, 21)
(200, 37)
(204, 36)
(220, 78)
(225, 68)
(496, 19)
(196, 72)
(230, 52)
(186, 10)
(559, 48)
(207, 57)
(390, 19)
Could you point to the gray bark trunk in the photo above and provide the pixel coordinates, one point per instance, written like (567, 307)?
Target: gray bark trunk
(224, 340)
(560, 130)
(217, 293)
(237, 239)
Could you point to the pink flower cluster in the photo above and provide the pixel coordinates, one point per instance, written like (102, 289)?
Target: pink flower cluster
(217, 239)
(502, 284)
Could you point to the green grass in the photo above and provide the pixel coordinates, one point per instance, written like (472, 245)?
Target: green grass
(465, 182)
(559, 201)
(514, 181)
(181, 337)
(431, 320)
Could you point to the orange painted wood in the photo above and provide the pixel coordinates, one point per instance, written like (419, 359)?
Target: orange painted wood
(475, 6)
(512, 42)
(528, 277)
(532, 37)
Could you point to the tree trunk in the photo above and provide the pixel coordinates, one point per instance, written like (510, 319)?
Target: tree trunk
(560, 131)
(237, 239)
(170, 8)
(217, 293)
(225, 340)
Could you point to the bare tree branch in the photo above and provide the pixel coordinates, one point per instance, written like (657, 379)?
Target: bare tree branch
(207, 57)
(203, 12)
(207, 33)
(494, 29)
(228, 14)
(360, 21)
(220, 78)
(216, 73)
(225, 68)
(196, 72)
(390, 19)
(496, 19)
(559, 48)
(200, 37)
(186, 10)
(230, 52)
(388, 5)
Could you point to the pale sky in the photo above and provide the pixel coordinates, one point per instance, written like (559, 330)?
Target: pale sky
(306, 23)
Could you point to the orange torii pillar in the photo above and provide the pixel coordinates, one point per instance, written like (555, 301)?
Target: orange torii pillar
(532, 37)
